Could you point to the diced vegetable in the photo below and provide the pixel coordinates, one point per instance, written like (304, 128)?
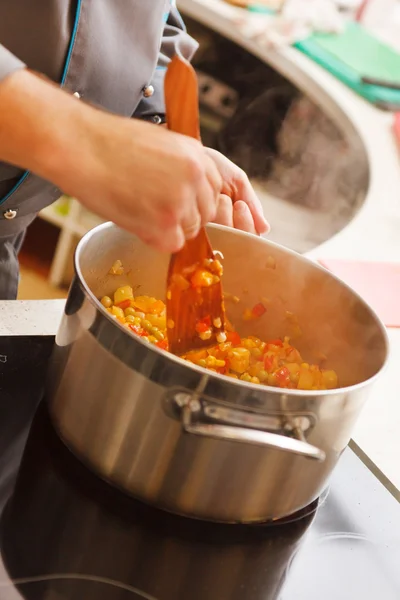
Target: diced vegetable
(138, 330)
(106, 302)
(259, 310)
(117, 268)
(233, 337)
(117, 312)
(202, 278)
(274, 362)
(124, 304)
(283, 377)
(201, 327)
(239, 359)
(180, 281)
(275, 343)
(163, 344)
(122, 294)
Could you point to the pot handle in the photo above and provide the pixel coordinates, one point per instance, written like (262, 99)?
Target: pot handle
(295, 445)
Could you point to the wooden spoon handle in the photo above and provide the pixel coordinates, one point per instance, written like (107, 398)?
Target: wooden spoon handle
(182, 98)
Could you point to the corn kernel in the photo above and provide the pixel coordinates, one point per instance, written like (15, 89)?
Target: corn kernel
(330, 379)
(245, 377)
(239, 359)
(205, 335)
(255, 352)
(306, 380)
(117, 312)
(262, 375)
(146, 325)
(106, 301)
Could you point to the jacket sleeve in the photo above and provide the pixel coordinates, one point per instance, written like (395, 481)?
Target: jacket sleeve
(174, 41)
(8, 63)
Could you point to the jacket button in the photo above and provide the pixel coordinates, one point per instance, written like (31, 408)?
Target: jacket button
(148, 91)
(10, 214)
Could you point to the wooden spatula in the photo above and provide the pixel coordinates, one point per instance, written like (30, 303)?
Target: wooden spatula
(195, 314)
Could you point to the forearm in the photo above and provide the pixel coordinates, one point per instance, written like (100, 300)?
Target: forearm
(39, 124)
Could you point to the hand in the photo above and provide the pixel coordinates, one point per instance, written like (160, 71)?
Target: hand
(235, 214)
(157, 184)
(239, 206)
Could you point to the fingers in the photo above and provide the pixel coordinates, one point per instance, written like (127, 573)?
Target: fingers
(243, 218)
(237, 185)
(224, 214)
(200, 207)
(172, 240)
(208, 191)
(247, 194)
(191, 224)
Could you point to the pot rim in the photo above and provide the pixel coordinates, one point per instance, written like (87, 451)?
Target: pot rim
(228, 380)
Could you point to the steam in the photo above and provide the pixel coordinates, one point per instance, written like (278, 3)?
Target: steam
(286, 142)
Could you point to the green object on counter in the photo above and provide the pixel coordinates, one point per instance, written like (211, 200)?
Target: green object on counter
(354, 54)
(259, 8)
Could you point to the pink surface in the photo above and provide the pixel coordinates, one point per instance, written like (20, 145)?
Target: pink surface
(378, 283)
(396, 127)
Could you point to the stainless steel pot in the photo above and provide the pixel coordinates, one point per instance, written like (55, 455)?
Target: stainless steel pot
(195, 442)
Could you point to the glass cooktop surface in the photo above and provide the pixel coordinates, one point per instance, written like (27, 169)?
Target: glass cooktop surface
(67, 535)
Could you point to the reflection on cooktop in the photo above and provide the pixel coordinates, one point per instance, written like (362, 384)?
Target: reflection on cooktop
(62, 519)
(73, 586)
(349, 579)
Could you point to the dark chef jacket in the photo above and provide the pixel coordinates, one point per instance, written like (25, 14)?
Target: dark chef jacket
(112, 53)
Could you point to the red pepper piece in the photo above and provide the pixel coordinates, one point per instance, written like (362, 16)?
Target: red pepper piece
(259, 310)
(201, 327)
(124, 304)
(283, 377)
(138, 330)
(163, 344)
(233, 337)
(268, 363)
(276, 342)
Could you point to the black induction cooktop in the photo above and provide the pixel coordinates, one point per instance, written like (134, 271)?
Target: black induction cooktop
(65, 534)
